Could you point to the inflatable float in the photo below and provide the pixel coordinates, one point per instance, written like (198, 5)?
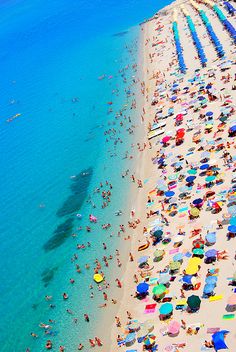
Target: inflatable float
(143, 246)
(97, 278)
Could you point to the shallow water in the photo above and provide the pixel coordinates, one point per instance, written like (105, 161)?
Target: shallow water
(52, 55)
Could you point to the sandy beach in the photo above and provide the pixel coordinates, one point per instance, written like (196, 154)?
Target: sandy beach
(185, 196)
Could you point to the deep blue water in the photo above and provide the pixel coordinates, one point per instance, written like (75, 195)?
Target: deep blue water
(52, 53)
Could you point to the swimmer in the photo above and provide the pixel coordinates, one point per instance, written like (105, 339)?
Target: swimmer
(80, 347)
(33, 335)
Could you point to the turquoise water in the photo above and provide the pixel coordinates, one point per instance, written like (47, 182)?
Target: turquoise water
(52, 54)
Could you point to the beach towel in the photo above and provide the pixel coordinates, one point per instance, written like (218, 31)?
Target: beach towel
(153, 281)
(228, 316)
(215, 298)
(173, 251)
(150, 308)
(212, 330)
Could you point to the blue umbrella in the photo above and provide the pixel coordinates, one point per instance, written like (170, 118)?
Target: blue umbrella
(197, 201)
(209, 113)
(174, 98)
(169, 194)
(177, 257)
(190, 179)
(187, 279)
(232, 228)
(142, 287)
(212, 280)
(211, 253)
(233, 128)
(208, 288)
(218, 340)
(143, 259)
(211, 237)
(130, 338)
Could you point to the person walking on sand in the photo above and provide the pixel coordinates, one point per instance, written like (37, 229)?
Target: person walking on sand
(98, 341)
(105, 296)
(118, 283)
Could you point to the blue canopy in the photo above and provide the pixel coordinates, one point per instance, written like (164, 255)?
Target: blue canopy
(211, 237)
(169, 194)
(197, 201)
(187, 279)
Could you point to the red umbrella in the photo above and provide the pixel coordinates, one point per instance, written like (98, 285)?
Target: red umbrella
(180, 134)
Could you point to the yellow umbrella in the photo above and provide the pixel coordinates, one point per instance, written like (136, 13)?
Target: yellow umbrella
(191, 270)
(194, 261)
(194, 212)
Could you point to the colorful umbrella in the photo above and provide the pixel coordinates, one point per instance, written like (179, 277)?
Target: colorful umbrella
(194, 212)
(174, 265)
(142, 287)
(211, 253)
(198, 251)
(194, 302)
(166, 308)
(174, 327)
(232, 228)
(159, 289)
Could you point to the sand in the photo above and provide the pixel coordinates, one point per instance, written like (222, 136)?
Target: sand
(157, 59)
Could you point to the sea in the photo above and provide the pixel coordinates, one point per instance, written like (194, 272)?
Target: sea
(66, 77)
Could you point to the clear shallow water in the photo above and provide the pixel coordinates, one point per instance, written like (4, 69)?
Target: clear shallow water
(51, 54)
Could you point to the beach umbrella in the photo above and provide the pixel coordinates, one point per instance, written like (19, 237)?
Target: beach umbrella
(209, 113)
(130, 339)
(211, 237)
(169, 194)
(204, 166)
(232, 228)
(142, 287)
(177, 257)
(197, 201)
(188, 279)
(166, 308)
(190, 179)
(211, 253)
(174, 327)
(173, 177)
(165, 139)
(148, 325)
(192, 172)
(149, 340)
(159, 253)
(157, 233)
(218, 340)
(143, 259)
(164, 278)
(210, 178)
(232, 209)
(232, 221)
(194, 302)
(194, 212)
(159, 289)
(212, 280)
(208, 288)
(198, 251)
(174, 265)
(191, 270)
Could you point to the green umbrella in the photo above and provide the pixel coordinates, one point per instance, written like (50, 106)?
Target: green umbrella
(175, 265)
(159, 289)
(194, 302)
(159, 253)
(198, 251)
